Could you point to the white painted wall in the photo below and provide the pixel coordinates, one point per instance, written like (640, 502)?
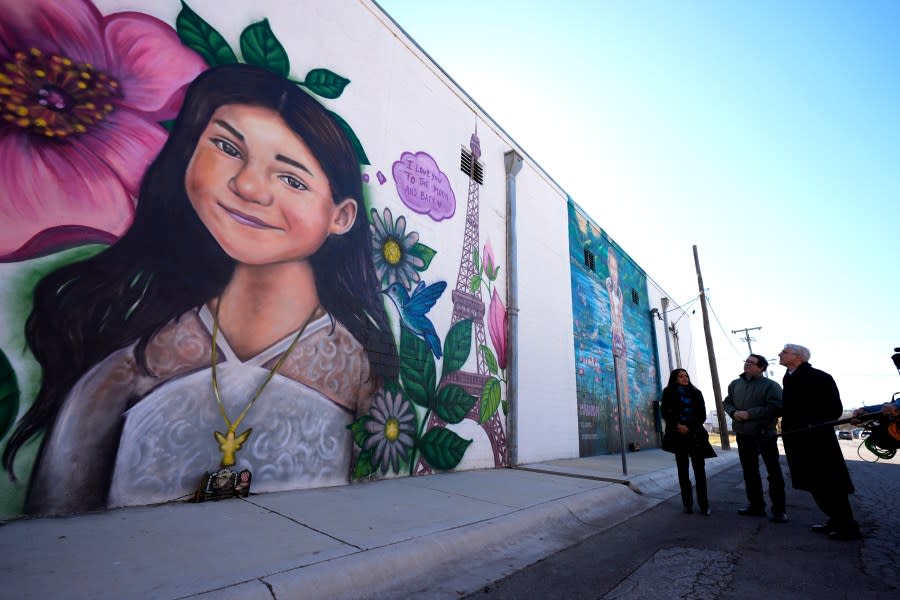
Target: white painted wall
(548, 421)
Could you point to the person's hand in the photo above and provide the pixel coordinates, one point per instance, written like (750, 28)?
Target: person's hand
(741, 415)
(682, 428)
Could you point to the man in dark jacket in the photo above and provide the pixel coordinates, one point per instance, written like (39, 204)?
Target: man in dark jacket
(754, 405)
(814, 456)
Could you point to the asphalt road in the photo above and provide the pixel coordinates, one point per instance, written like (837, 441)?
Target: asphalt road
(665, 554)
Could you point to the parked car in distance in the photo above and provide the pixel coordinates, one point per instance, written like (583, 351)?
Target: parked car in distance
(844, 435)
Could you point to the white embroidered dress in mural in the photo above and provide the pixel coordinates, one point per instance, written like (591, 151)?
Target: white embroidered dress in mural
(300, 437)
(91, 459)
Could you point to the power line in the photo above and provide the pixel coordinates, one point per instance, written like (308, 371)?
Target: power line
(727, 337)
(684, 312)
(685, 305)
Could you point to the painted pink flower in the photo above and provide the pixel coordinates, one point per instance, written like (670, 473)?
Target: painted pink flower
(488, 262)
(81, 98)
(497, 326)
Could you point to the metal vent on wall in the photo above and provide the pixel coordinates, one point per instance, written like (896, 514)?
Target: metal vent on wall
(589, 259)
(635, 297)
(465, 165)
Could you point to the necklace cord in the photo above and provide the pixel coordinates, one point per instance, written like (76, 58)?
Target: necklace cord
(232, 427)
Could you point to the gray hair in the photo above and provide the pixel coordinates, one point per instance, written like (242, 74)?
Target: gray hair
(801, 351)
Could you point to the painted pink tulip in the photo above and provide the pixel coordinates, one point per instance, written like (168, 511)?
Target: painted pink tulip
(487, 261)
(497, 326)
(81, 98)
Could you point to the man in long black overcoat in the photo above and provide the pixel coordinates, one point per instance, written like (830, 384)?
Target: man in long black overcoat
(814, 455)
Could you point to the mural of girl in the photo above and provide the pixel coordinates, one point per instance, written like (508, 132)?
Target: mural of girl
(617, 322)
(237, 321)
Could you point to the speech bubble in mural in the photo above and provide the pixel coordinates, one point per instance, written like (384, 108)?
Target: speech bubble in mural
(423, 187)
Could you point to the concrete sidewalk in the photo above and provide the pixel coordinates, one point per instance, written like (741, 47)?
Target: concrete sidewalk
(436, 536)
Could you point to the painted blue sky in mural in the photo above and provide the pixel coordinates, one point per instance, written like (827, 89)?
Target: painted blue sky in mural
(766, 133)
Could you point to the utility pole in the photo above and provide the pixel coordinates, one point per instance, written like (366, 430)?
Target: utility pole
(713, 370)
(746, 338)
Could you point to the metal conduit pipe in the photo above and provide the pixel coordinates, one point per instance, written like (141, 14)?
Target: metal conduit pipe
(512, 160)
(665, 315)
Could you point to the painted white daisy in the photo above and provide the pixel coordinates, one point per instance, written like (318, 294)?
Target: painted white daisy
(392, 428)
(391, 247)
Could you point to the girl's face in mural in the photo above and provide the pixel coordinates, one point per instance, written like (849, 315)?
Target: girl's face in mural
(260, 191)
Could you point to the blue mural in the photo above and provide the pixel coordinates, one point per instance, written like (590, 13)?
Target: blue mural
(614, 342)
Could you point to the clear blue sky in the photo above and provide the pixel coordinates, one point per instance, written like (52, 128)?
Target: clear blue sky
(766, 133)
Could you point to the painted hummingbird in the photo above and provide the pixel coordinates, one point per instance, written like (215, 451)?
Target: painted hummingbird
(413, 308)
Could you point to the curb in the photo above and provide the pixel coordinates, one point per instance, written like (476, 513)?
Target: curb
(464, 559)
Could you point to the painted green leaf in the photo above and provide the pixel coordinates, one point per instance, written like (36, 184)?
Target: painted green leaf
(425, 253)
(475, 260)
(168, 125)
(417, 372)
(364, 466)
(490, 400)
(325, 83)
(391, 385)
(199, 36)
(505, 405)
(443, 449)
(358, 430)
(354, 141)
(453, 403)
(475, 284)
(457, 346)
(260, 47)
(415, 422)
(489, 358)
(9, 395)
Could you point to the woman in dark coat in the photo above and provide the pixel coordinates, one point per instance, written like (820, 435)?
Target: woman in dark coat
(684, 412)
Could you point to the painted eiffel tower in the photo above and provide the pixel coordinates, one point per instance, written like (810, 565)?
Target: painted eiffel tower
(470, 305)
